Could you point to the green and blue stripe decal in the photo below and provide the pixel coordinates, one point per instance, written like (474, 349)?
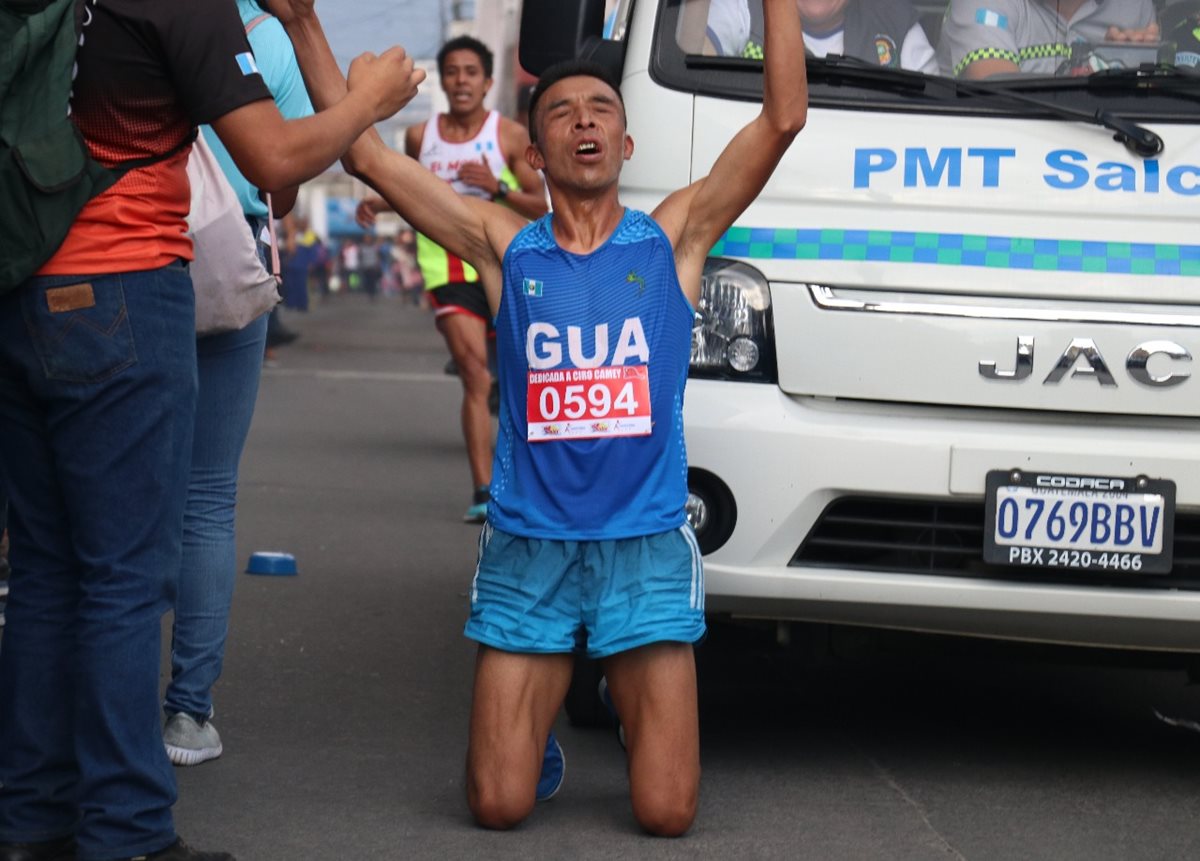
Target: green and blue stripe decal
(961, 249)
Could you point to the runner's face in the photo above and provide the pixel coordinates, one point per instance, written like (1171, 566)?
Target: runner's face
(581, 133)
(464, 82)
(821, 15)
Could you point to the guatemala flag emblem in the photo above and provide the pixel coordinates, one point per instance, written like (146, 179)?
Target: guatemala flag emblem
(988, 18)
(530, 287)
(246, 63)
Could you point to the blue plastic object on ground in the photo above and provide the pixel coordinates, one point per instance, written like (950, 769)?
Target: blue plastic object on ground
(271, 563)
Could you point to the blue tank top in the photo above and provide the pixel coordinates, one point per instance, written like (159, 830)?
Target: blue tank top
(584, 334)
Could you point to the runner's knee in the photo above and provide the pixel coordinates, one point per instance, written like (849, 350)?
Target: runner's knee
(665, 813)
(475, 376)
(499, 805)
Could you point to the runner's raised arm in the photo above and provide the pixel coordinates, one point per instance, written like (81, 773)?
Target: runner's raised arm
(476, 230)
(695, 217)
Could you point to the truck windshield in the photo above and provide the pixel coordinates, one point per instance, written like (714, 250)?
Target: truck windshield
(1139, 58)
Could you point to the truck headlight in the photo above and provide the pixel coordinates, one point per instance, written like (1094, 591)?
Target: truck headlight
(732, 337)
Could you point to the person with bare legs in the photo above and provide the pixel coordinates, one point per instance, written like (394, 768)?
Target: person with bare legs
(586, 544)
(99, 398)
(481, 154)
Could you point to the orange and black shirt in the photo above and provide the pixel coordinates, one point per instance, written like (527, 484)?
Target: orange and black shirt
(149, 72)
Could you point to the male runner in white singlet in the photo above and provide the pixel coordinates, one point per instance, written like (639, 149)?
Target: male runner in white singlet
(586, 542)
(481, 154)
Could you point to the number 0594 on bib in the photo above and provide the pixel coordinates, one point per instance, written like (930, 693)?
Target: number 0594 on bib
(586, 403)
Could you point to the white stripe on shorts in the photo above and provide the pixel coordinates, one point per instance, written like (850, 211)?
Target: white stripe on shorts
(485, 535)
(697, 596)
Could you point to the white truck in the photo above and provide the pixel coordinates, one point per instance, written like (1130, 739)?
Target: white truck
(943, 373)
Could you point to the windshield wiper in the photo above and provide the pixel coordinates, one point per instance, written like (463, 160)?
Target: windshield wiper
(1137, 139)
(857, 72)
(1178, 80)
(839, 67)
(854, 70)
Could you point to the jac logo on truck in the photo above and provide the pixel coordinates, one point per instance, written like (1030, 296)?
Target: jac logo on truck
(1082, 358)
(985, 167)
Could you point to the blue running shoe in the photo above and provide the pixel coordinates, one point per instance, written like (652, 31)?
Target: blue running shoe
(554, 767)
(606, 698)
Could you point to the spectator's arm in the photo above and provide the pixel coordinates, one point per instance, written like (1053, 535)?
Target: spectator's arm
(282, 202)
(277, 64)
(986, 68)
(1149, 33)
(274, 153)
(979, 40)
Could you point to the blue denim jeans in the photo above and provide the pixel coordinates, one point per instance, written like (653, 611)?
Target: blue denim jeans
(229, 366)
(97, 402)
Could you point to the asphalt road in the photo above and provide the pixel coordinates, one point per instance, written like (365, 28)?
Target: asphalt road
(343, 706)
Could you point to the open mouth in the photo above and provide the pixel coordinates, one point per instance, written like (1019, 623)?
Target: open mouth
(588, 148)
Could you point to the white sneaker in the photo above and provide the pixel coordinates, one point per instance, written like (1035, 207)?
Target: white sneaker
(189, 742)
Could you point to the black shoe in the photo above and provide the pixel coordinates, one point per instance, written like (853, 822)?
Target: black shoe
(62, 849)
(180, 851)
(279, 337)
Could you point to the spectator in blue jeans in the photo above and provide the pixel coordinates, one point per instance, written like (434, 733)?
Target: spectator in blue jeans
(229, 365)
(97, 410)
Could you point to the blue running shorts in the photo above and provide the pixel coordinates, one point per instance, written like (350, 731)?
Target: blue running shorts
(546, 596)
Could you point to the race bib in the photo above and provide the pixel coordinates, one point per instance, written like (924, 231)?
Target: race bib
(585, 403)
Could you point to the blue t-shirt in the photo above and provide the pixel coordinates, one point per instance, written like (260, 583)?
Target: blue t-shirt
(579, 337)
(276, 61)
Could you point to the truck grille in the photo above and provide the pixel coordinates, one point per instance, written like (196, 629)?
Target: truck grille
(921, 536)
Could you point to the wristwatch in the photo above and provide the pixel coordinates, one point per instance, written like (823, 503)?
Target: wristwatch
(502, 190)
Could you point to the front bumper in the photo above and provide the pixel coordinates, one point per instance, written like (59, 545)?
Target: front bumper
(785, 459)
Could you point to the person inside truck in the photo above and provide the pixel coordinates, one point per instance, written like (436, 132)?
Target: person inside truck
(587, 541)
(985, 38)
(728, 26)
(715, 28)
(480, 153)
(1181, 23)
(889, 34)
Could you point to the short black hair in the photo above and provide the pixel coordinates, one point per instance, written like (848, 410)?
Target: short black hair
(569, 69)
(466, 43)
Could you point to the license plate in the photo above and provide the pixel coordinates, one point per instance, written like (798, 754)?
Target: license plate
(1079, 522)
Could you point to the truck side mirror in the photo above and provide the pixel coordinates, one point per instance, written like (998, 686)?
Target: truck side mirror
(557, 30)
